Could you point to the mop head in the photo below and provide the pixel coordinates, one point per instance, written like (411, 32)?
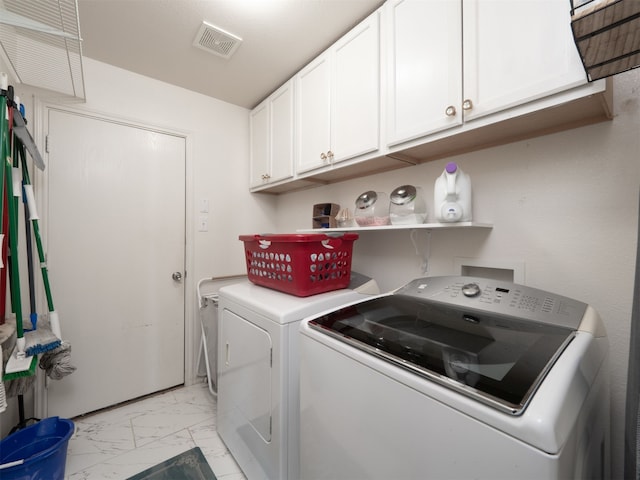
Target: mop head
(19, 386)
(57, 363)
(40, 341)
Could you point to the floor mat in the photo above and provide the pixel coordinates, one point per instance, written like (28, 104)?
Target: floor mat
(190, 465)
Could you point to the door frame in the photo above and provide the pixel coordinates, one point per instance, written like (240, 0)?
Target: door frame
(39, 179)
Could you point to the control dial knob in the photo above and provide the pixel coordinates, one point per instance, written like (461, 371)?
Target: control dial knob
(471, 290)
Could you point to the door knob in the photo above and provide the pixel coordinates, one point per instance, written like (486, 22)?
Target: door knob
(177, 276)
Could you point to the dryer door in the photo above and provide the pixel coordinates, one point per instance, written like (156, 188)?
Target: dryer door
(245, 373)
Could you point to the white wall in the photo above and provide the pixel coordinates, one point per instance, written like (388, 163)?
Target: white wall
(565, 204)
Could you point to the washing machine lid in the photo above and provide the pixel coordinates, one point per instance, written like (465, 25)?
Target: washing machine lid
(495, 358)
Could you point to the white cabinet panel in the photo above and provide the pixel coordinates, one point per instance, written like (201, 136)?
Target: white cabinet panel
(313, 90)
(355, 125)
(516, 52)
(259, 138)
(272, 130)
(338, 98)
(282, 133)
(424, 75)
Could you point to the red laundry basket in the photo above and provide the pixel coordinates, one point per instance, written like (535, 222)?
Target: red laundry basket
(300, 264)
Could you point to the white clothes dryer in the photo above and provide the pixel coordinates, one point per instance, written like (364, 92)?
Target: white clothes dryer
(258, 395)
(455, 378)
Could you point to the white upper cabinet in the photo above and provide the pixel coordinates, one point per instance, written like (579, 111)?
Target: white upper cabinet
(452, 75)
(313, 106)
(424, 67)
(355, 122)
(272, 138)
(259, 161)
(451, 61)
(282, 132)
(516, 52)
(338, 98)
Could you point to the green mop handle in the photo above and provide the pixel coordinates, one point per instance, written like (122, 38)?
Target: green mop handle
(13, 240)
(43, 266)
(4, 151)
(54, 321)
(36, 232)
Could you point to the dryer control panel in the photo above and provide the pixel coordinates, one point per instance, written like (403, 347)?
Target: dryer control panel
(498, 297)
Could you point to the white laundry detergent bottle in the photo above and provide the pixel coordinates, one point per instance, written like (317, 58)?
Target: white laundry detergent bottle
(452, 195)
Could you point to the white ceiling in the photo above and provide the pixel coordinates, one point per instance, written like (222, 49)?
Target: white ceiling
(155, 38)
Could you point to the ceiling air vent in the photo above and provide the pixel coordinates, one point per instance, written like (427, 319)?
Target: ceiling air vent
(217, 41)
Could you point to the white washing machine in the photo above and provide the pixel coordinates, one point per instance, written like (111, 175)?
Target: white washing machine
(455, 378)
(258, 396)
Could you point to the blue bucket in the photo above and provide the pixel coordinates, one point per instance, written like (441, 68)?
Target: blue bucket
(42, 448)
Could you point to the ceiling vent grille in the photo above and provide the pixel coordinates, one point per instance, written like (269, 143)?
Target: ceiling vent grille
(217, 41)
(40, 45)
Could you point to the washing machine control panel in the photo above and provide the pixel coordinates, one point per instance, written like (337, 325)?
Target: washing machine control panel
(495, 296)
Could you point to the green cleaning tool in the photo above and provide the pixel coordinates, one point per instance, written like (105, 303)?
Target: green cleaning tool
(19, 364)
(57, 361)
(41, 338)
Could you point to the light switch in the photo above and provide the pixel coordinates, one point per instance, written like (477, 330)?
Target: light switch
(204, 205)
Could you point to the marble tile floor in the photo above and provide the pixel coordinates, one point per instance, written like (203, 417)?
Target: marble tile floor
(120, 442)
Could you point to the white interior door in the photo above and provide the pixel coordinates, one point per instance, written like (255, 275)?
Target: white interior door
(115, 235)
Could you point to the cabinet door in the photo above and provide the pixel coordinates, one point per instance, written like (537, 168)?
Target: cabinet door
(314, 102)
(424, 67)
(355, 112)
(281, 120)
(259, 153)
(516, 52)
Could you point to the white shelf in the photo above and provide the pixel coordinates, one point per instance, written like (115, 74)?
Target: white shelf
(421, 226)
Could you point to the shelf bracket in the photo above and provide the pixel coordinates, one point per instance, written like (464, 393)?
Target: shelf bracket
(426, 254)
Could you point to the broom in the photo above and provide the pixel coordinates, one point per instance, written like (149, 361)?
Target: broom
(20, 365)
(40, 339)
(57, 361)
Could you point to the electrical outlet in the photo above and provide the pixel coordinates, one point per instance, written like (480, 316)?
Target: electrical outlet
(203, 223)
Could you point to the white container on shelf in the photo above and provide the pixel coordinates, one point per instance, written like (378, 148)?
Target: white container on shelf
(452, 195)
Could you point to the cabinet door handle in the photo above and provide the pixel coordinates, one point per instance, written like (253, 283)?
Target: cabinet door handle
(323, 157)
(330, 155)
(467, 104)
(266, 176)
(450, 111)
